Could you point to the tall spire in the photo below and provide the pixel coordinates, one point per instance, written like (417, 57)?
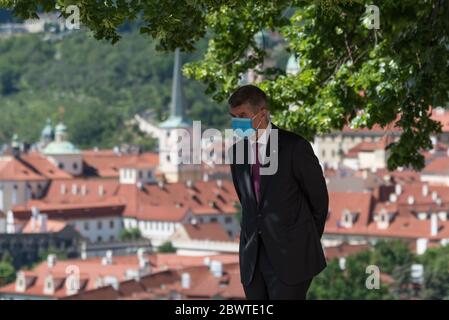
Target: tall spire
(177, 95)
(177, 104)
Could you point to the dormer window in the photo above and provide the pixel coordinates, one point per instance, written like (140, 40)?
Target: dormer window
(21, 282)
(422, 215)
(383, 219)
(49, 286)
(443, 216)
(348, 218)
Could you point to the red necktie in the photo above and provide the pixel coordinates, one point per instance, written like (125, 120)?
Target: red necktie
(255, 171)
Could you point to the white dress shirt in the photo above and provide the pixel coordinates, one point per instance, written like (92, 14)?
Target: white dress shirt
(263, 141)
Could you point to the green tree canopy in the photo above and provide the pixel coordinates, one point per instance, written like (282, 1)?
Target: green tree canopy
(350, 74)
(7, 271)
(166, 247)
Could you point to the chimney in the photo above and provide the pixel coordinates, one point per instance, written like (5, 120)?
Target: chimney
(213, 204)
(107, 259)
(393, 197)
(434, 195)
(219, 183)
(425, 190)
(207, 261)
(205, 177)
(101, 190)
(398, 189)
(364, 174)
(83, 190)
(43, 223)
(193, 221)
(10, 223)
(161, 184)
(34, 217)
(434, 140)
(433, 224)
(189, 184)
(83, 250)
(51, 260)
(74, 189)
(410, 200)
(216, 267)
(185, 280)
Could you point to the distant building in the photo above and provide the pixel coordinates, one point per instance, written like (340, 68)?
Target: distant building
(175, 133)
(25, 248)
(63, 154)
(415, 212)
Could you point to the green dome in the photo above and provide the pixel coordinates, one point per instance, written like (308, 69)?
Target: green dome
(60, 128)
(176, 122)
(293, 65)
(61, 147)
(48, 130)
(15, 142)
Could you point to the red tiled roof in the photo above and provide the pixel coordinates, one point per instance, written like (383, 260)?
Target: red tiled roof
(51, 226)
(206, 231)
(164, 268)
(13, 169)
(441, 115)
(344, 250)
(403, 223)
(439, 165)
(227, 285)
(107, 163)
(44, 166)
(151, 201)
(366, 146)
(70, 211)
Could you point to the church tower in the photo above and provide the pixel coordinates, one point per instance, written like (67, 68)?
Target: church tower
(177, 132)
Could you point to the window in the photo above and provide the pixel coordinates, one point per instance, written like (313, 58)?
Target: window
(111, 224)
(228, 219)
(86, 225)
(140, 174)
(99, 239)
(14, 194)
(111, 238)
(75, 166)
(99, 225)
(213, 219)
(61, 166)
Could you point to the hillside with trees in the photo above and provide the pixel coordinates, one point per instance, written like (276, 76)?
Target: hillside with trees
(95, 86)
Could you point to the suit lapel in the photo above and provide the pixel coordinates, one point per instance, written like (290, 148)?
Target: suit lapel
(246, 174)
(271, 150)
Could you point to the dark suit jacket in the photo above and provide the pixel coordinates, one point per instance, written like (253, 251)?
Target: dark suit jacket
(291, 214)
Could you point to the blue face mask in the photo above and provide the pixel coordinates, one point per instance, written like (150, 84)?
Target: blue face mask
(243, 127)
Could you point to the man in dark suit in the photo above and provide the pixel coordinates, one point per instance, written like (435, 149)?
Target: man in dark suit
(283, 214)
